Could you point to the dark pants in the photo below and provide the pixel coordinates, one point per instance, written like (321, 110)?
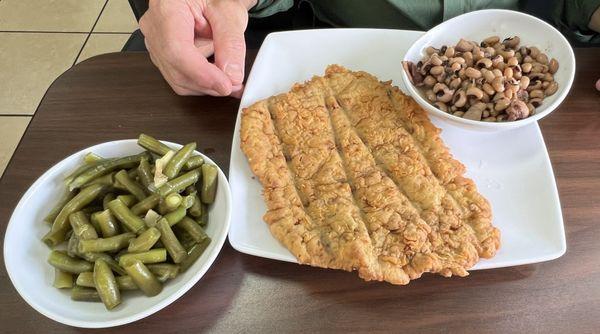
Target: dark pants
(300, 16)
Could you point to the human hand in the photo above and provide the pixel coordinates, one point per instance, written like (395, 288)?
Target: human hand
(181, 34)
(598, 85)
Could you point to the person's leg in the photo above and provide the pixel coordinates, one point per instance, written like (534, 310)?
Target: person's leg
(136, 40)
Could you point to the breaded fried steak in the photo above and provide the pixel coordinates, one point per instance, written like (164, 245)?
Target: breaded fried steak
(356, 177)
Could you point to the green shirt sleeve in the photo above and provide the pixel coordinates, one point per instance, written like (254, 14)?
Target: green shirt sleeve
(572, 18)
(264, 8)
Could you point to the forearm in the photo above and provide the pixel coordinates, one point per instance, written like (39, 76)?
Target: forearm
(249, 3)
(594, 23)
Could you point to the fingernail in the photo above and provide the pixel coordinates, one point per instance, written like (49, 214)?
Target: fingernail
(235, 73)
(222, 88)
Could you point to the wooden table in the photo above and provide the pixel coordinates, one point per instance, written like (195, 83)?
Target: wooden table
(117, 96)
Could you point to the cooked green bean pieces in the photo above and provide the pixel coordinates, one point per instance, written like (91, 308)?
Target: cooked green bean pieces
(164, 271)
(111, 244)
(169, 240)
(61, 203)
(153, 145)
(61, 224)
(106, 180)
(91, 158)
(203, 221)
(128, 200)
(114, 265)
(78, 171)
(193, 254)
(62, 279)
(193, 162)
(179, 183)
(195, 210)
(107, 198)
(146, 204)
(130, 185)
(132, 173)
(209, 183)
(145, 173)
(193, 229)
(106, 167)
(106, 285)
(125, 216)
(175, 216)
(126, 283)
(62, 261)
(82, 228)
(184, 238)
(151, 218)
(72, 246)
(82, 294)
(172, 201)
(86, 279)
(144, 278)
(144, 241)
(109, 227)
(156, 255)
(176, 163)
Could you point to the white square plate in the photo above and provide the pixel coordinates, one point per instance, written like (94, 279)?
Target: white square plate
(510, 168)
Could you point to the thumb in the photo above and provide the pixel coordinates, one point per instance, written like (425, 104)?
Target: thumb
(228, 20)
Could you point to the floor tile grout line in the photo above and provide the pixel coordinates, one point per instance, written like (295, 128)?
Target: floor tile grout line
(16, 115)
(41, 32)
(87, 38)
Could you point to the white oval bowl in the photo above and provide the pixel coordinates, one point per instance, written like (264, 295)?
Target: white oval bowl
(478, 25)
(25, 254)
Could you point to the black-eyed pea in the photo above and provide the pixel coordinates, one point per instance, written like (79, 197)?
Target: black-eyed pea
(497, 59)
(545, 69)
(489, 52)
(484, 63)
(430, 95)
(488, 89)
(429, 81)
(536, 102)
(527, 59)
(459, 60)
(512, 42)
(435, 60)
(460, 99)
(455, 83)
(508, 73)
(537, 93)
(455, 67)
(551, 89)
(489, 119)
(502, 104)
(444, 58)
(548, 77)
(485, 114)
(463, 46)
(472, 73)
(437, 70)
(501, 118)
(498, 84)
(459, 113)
(441, 77)
(489, 41)
(474, 113)
(537, 68)
(498, 96)
(449, 52)
(441, 106)
(542, 58)
(475, 92)
(553, 67)
(465, 84)
(497, 72)
(535, 84)
(508, 93)
(494, 112)
(534, 52)
(524, 82)
(507, 53)
(431, 50)
(489, 76)
(512, 61)
(519, 57)
(526, 67)
(545, 84)
(501, 66)
(485, 98)
(531, 108)
(524, 51)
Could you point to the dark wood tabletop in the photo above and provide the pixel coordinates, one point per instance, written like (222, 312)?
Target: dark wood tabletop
(117, 96)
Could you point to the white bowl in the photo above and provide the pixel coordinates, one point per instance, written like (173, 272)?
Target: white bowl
(25, 254)
(478, 25)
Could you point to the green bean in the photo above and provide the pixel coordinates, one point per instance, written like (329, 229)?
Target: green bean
(61, 224)
(106, 167)
(111, 244)
(126, 283)
(67, 196)
(109, 227)
(106, 180)
(82, 294)
(193, 254)
(179, 183)
(144, 241)
(156, 255)
(209, 183)
(133, 187)
(169, 240)
(82, 228)
(125, 216)
(128, 200)
(91, 158)
(146, 204)
(203, 221)
(195, 210)
(62, 261)
(193, 162)
(132, 173)
(152, 144)
(176, 163)
(193, 229)
(144, 278)
(62, 279)
(88, 210)
(106, 285)
(164, 271)
(145, 173)
(173, 201)
(151, 218)
(72, 246)
(114, 265)
(184, 238)
(174, 217)
(81, 169)
(85, 279)
(107, 198)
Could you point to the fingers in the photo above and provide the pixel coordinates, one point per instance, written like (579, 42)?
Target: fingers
(228, 20)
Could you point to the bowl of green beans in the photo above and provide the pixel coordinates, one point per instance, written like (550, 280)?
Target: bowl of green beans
(117, 231)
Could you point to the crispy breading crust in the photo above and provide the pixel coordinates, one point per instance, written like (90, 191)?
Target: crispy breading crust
(356, 177)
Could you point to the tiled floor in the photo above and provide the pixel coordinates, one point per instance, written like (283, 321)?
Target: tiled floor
(39, 40)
